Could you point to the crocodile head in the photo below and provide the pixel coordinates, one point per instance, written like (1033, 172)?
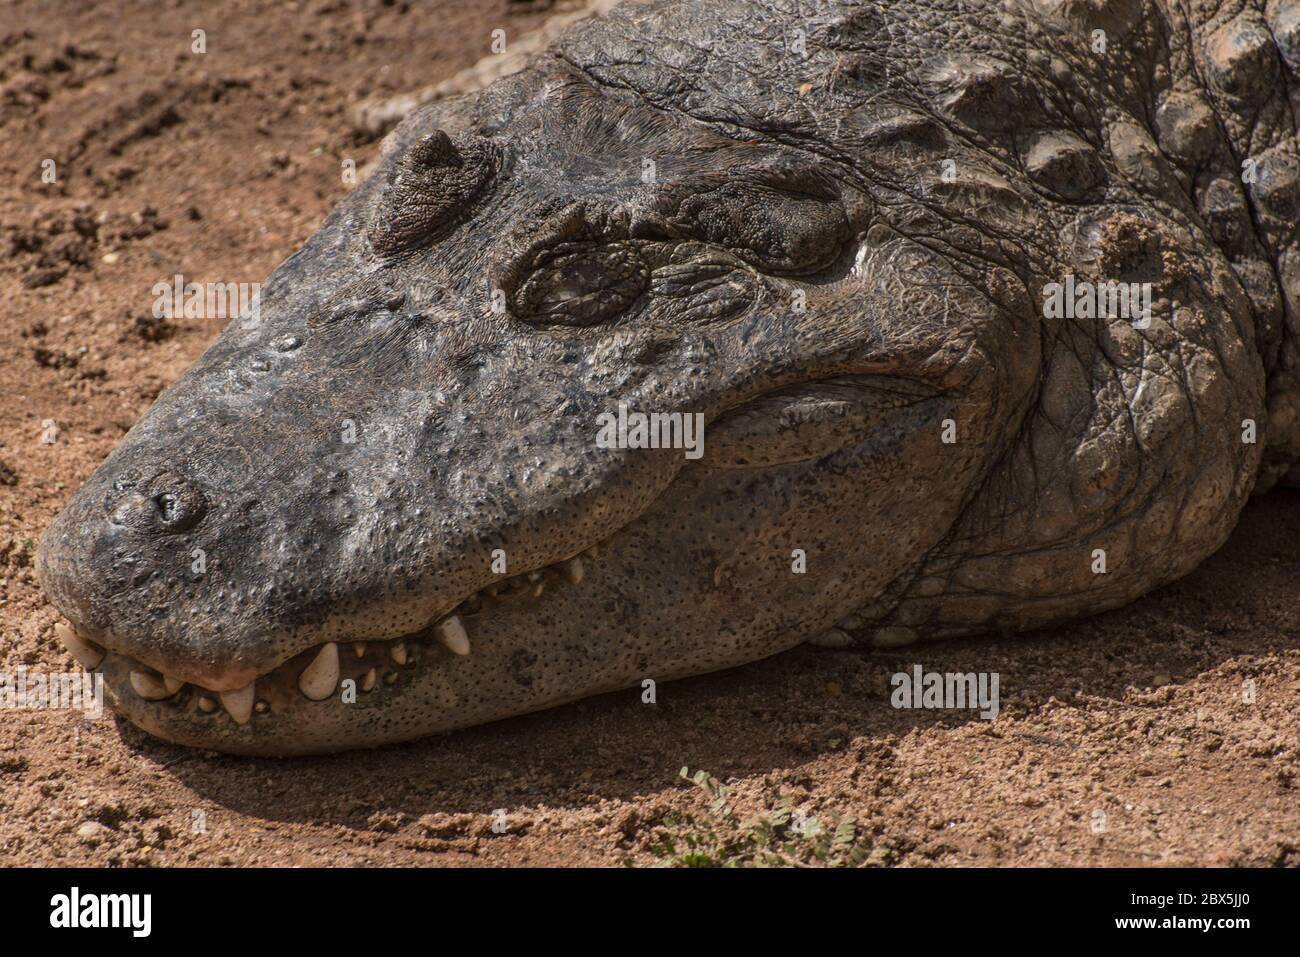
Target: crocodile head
(396, 503)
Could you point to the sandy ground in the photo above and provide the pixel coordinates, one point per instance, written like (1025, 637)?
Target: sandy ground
(1167, 733)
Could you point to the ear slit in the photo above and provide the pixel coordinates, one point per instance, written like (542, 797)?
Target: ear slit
(808, 421)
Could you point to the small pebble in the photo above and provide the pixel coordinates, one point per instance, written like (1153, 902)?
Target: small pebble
(92, 833)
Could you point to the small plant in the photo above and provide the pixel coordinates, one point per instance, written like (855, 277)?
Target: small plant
(781, 836)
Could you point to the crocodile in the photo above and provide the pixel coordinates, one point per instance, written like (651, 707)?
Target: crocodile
(838, 232)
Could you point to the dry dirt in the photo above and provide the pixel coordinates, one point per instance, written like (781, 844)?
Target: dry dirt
(1132, 738)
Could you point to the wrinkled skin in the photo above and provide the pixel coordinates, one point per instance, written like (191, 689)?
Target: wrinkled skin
(864, 335)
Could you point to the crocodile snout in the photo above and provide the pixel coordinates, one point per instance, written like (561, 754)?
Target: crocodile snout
(119, 560)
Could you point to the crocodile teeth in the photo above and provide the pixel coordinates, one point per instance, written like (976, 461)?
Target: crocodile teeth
(398, 651)
(239, 703)
(172, 685)
(573, 570)
(88, 654)
(207, 705)
(368, 682)
(452, 634)
(832, 638)
(538, 589)
(359, 648)
(150, 687)
(319, 679)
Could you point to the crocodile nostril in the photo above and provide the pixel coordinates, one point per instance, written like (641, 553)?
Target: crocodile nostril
(167, 504)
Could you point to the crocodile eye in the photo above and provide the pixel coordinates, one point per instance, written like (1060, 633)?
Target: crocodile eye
(582, 284)
(431, 187)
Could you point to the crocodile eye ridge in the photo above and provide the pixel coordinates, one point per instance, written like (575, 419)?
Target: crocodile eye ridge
(431, 187)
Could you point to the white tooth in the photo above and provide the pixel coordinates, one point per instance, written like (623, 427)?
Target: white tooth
(239, 703)
(390, 677)
(573, 570)
(149, 687)
(398, 651)
(832, 638)
(207, 705)
(452, 634)
(87, 653)
(319, 679)
(172, 685)
(360, 648)
(534, 576)
(368, 681)
(262, 707)
(538, 589)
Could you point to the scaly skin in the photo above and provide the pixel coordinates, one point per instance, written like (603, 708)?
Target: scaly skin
(864, 335)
